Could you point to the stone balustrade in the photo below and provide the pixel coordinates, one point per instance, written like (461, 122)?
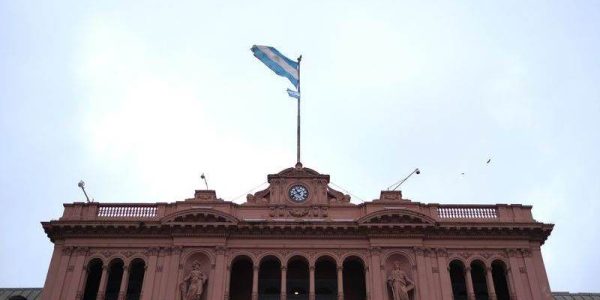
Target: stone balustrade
(438, 212)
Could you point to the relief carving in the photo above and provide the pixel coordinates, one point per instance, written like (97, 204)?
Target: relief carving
(298, 212)
(192, 287)
(399, 283)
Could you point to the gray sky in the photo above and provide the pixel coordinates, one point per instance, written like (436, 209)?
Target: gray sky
(139, 98)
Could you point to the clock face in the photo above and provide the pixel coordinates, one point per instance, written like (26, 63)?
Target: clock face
(298, 193)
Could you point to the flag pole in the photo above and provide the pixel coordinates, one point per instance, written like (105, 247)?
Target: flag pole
(298, 163)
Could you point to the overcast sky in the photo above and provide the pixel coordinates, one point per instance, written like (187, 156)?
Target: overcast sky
(138, 99)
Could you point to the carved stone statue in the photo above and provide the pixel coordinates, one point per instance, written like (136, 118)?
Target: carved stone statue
(399, 283)
(192, 286)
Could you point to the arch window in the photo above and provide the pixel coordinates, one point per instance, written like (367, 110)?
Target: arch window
(479, 282)
(240, 284)
(115, 276)
(92, 283)
(269, 279)
(137, 269)
(326, 279)
(297, 278)
(457, 279)
(354, 279)
(500, 282)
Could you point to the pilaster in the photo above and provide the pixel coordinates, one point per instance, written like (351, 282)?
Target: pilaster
(531, 274)
(445, 284)
(59, 280)
(150, 273)
(376, 278)
(219, 274)
(79, 274)
(423, 284)
(173, 272)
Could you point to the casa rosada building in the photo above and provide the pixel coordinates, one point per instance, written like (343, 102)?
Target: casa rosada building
(297, 239)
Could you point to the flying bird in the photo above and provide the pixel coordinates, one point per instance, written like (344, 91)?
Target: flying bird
(488, 161)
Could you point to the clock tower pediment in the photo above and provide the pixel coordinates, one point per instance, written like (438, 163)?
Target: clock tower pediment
(298, 186)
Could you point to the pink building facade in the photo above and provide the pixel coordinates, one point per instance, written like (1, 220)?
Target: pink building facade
(297, 239)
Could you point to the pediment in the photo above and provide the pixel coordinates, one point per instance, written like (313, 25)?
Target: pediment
(298, 172)
(200, 215)
(396, 216)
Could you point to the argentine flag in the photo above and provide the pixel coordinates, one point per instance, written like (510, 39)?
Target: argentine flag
(280, 64)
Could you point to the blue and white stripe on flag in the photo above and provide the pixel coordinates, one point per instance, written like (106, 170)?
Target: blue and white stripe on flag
(293, 94)
(280, 64)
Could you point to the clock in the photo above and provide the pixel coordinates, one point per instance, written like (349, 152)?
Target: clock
(298, 193)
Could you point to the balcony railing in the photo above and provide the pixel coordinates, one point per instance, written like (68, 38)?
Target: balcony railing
(127, 211)
(467, 212)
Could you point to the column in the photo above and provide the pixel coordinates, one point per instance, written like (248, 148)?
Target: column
(227, 280)
(283, 283)
(150, 273)
(103, 282)
(445, 283)
(367, 282)
(340, 279)
(255, 283)
(124, 283)
(378, 286)
(311, 283)
(511, 284)
(469, 281)
(422, 283)
(489, 280)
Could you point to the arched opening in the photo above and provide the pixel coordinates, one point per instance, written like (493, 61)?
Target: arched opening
(500, 282)
(240, 284)
(457, 279)
(479, 283)
(354, 279)
(326, 287)
(297, 278)
(92, 283)
(137, 268)
(115, 275)
(269, 279)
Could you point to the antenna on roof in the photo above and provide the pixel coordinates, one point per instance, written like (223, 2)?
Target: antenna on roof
(205, 182)
(397, 184)
(81, 184)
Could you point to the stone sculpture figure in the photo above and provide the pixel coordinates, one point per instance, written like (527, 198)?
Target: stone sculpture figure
(399, 283)
(192, 286)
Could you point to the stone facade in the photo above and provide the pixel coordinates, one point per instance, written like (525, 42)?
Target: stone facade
(297, 239)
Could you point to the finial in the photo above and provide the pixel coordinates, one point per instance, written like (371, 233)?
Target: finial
(298, 165)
